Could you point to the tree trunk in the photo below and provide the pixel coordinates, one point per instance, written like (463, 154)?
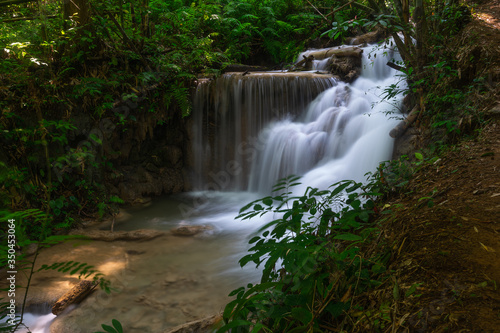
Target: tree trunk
(78, 11)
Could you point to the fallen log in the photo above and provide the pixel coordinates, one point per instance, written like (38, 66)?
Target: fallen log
(75, 295)
(396, 67)
(204, 325)
(343, 52)
(401, 128)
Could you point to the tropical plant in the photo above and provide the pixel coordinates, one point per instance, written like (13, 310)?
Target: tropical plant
(19, 226)
(311, 267)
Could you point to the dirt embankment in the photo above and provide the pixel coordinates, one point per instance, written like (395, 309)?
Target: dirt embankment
(446, 231)
(446, 223)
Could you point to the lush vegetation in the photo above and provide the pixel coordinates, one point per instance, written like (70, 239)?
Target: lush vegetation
(70, 67)
(321, 258)
(312, 269)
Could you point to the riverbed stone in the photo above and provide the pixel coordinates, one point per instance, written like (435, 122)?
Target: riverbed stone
(190, 230)
(108, 236)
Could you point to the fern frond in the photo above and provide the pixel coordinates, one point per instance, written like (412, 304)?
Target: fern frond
(83, 270)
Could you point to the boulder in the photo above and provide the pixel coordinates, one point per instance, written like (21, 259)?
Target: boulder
(189, 230)
(368, 38)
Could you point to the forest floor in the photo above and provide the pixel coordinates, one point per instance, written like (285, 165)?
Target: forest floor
(451, 250)
(446, 226)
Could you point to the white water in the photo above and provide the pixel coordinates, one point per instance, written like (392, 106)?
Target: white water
(257, 134)
(343, 134)
(230, 112)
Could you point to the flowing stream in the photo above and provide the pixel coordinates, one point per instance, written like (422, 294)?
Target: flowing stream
(248, 132)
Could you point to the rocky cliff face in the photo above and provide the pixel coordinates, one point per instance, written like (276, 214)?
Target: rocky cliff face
(149, 164)
(137, 159)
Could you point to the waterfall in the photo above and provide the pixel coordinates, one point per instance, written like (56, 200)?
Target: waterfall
(248, 131)
(251, 130)
(229, 114)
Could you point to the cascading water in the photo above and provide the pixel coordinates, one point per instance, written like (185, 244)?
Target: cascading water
(229, 114)
(342, 134)
(248, 131)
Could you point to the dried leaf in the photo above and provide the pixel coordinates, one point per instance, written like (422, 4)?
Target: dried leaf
(487, 248)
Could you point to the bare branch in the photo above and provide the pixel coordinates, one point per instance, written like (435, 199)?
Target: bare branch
(317, 10)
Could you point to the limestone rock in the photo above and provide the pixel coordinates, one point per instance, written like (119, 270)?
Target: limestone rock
(369, 38)
(108, 236)
(191, 230)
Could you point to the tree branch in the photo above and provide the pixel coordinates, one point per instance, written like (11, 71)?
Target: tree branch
(317, 11)
(14, 2)
(129, 41)
(397, 67)
(27, 18)
(339, 8)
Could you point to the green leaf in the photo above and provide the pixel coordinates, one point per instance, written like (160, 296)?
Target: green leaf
(234, 324)
(117, 325)
(253, 240)
(108, 328)
(267, 201)
(419, 156)
(364, 216)
(336, 309)
(302, 314)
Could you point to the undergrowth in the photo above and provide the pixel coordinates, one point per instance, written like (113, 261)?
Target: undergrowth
(325, 256)
(319, 256)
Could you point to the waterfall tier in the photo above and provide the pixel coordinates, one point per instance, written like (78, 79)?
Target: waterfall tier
(230, 112)
(251, 130)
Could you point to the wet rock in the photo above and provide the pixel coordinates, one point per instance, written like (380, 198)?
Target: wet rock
(405, 144)
(59, 325)
(108, 236)
(173, 278)
(348, 68)
(134, 252)
(494, 111)
(242, 68)
(191, 230)
(30, 249)
(343, 62)
(369, 38)
(204, 325)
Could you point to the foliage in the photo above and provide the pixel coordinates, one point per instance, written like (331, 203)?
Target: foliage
(24, 221)
(440, 81)
(116, 328)
(312, 270)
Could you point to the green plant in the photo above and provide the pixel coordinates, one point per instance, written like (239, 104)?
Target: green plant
(312, 269)
(20, 223)
(341, 29)
(117, 327)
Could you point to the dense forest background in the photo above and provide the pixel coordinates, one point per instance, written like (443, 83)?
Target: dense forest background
(95, 95)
